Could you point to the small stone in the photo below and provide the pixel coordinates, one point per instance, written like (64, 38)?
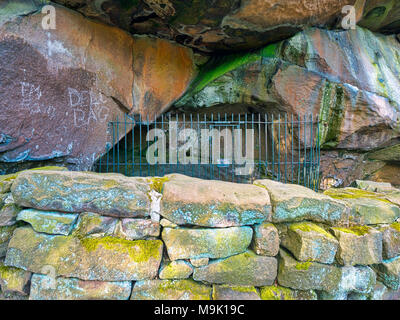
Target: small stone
(86, 258)
(373, 186)
(245, 269)
(391, 241)
(170, 290)
(5, 236)
(13, 280)
(307, 275)
(232, 293)
(309, 242)
(358, 245)
(167, 224)
(367, 208)
(76, 192)
(135, 229)
(282, 293)
(265, 240)
(185, 243)
(295, 203)
(178, 269)
(389, 273)
(215, 204)
(44, 287)
(9, 211)
(90, 223)
(199, 262)
(48, 222)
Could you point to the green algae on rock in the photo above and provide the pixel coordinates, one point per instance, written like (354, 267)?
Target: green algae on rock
(107, 194)
(44, 287)
(174, 270)
(231, 293)
(309, 242)
(105, 259)
(13, 280)
(245, 269)
(215, 204)
(292, 203)
(170, 290)
(282, 293)
(184, 243)
(49, 222)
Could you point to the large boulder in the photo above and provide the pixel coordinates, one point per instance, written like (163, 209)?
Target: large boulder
(245, 269)
(184, 243)
(44, 287)
(112, 195)
(291, 203)
(61, 87)
(104, 259)
(213, 203)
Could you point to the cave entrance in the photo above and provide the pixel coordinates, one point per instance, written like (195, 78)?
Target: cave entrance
(236, 147)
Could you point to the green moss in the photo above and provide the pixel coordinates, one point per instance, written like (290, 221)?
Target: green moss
(276, 293)
(303, 265)
(357, 230)
(354, 193)
(157, 184)
(310, 227)
(139, 250)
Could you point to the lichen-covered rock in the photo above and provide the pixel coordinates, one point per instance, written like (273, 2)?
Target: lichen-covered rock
(213, 203)
(391, 241)
(282, 293)
(309, 242)
(184, 243)
(389, 272)
(9, 211)
(105, 258)
(265, 240)
(292, 203)
(178, 269)
(5, 236)
(358, 245)
(108, 194)
(134, 229)
(199, 262)
(44, 287)
(245, 269)
(49, 222)
(373, 186)
(307, 275)
(231, 293)
(170, 290)
(13, 280)
(90, 223)
(366, 207)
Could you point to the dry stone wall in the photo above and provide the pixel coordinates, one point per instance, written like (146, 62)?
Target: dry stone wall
(80, 235)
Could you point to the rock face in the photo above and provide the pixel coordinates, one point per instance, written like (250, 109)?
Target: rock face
(73, 80)
(206, 243)
(213, 203)
(170, 290)
(391, 241)
(389, 272)
(45, 288)
(309, 242)
(111, 195)
(296, 203)
(358, 245)
(246, 269)
(105, 259)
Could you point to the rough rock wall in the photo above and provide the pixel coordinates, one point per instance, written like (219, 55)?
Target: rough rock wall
(75, 235)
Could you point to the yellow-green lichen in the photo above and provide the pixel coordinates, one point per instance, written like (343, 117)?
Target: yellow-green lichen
(276, 293)
(396, 226)
(354, 193)
(357, 230)
(310, 227)
(303, 265)
(157, 183)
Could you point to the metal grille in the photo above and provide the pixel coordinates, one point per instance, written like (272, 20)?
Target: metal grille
(236, 147)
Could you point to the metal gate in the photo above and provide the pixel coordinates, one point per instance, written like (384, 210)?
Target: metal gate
(236, 147)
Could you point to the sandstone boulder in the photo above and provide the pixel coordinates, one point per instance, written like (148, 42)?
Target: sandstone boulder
(170, 290)
(186, 243)
(265, 240)
(90, 223)
(231, 293)
(104, 259)
(134, 229)
(178, 269)
(112, 195)
(358, 245)
(14, 280)
(245, 269)
(215, 204)
(44, 287)
(391, 241)
(389, 273)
